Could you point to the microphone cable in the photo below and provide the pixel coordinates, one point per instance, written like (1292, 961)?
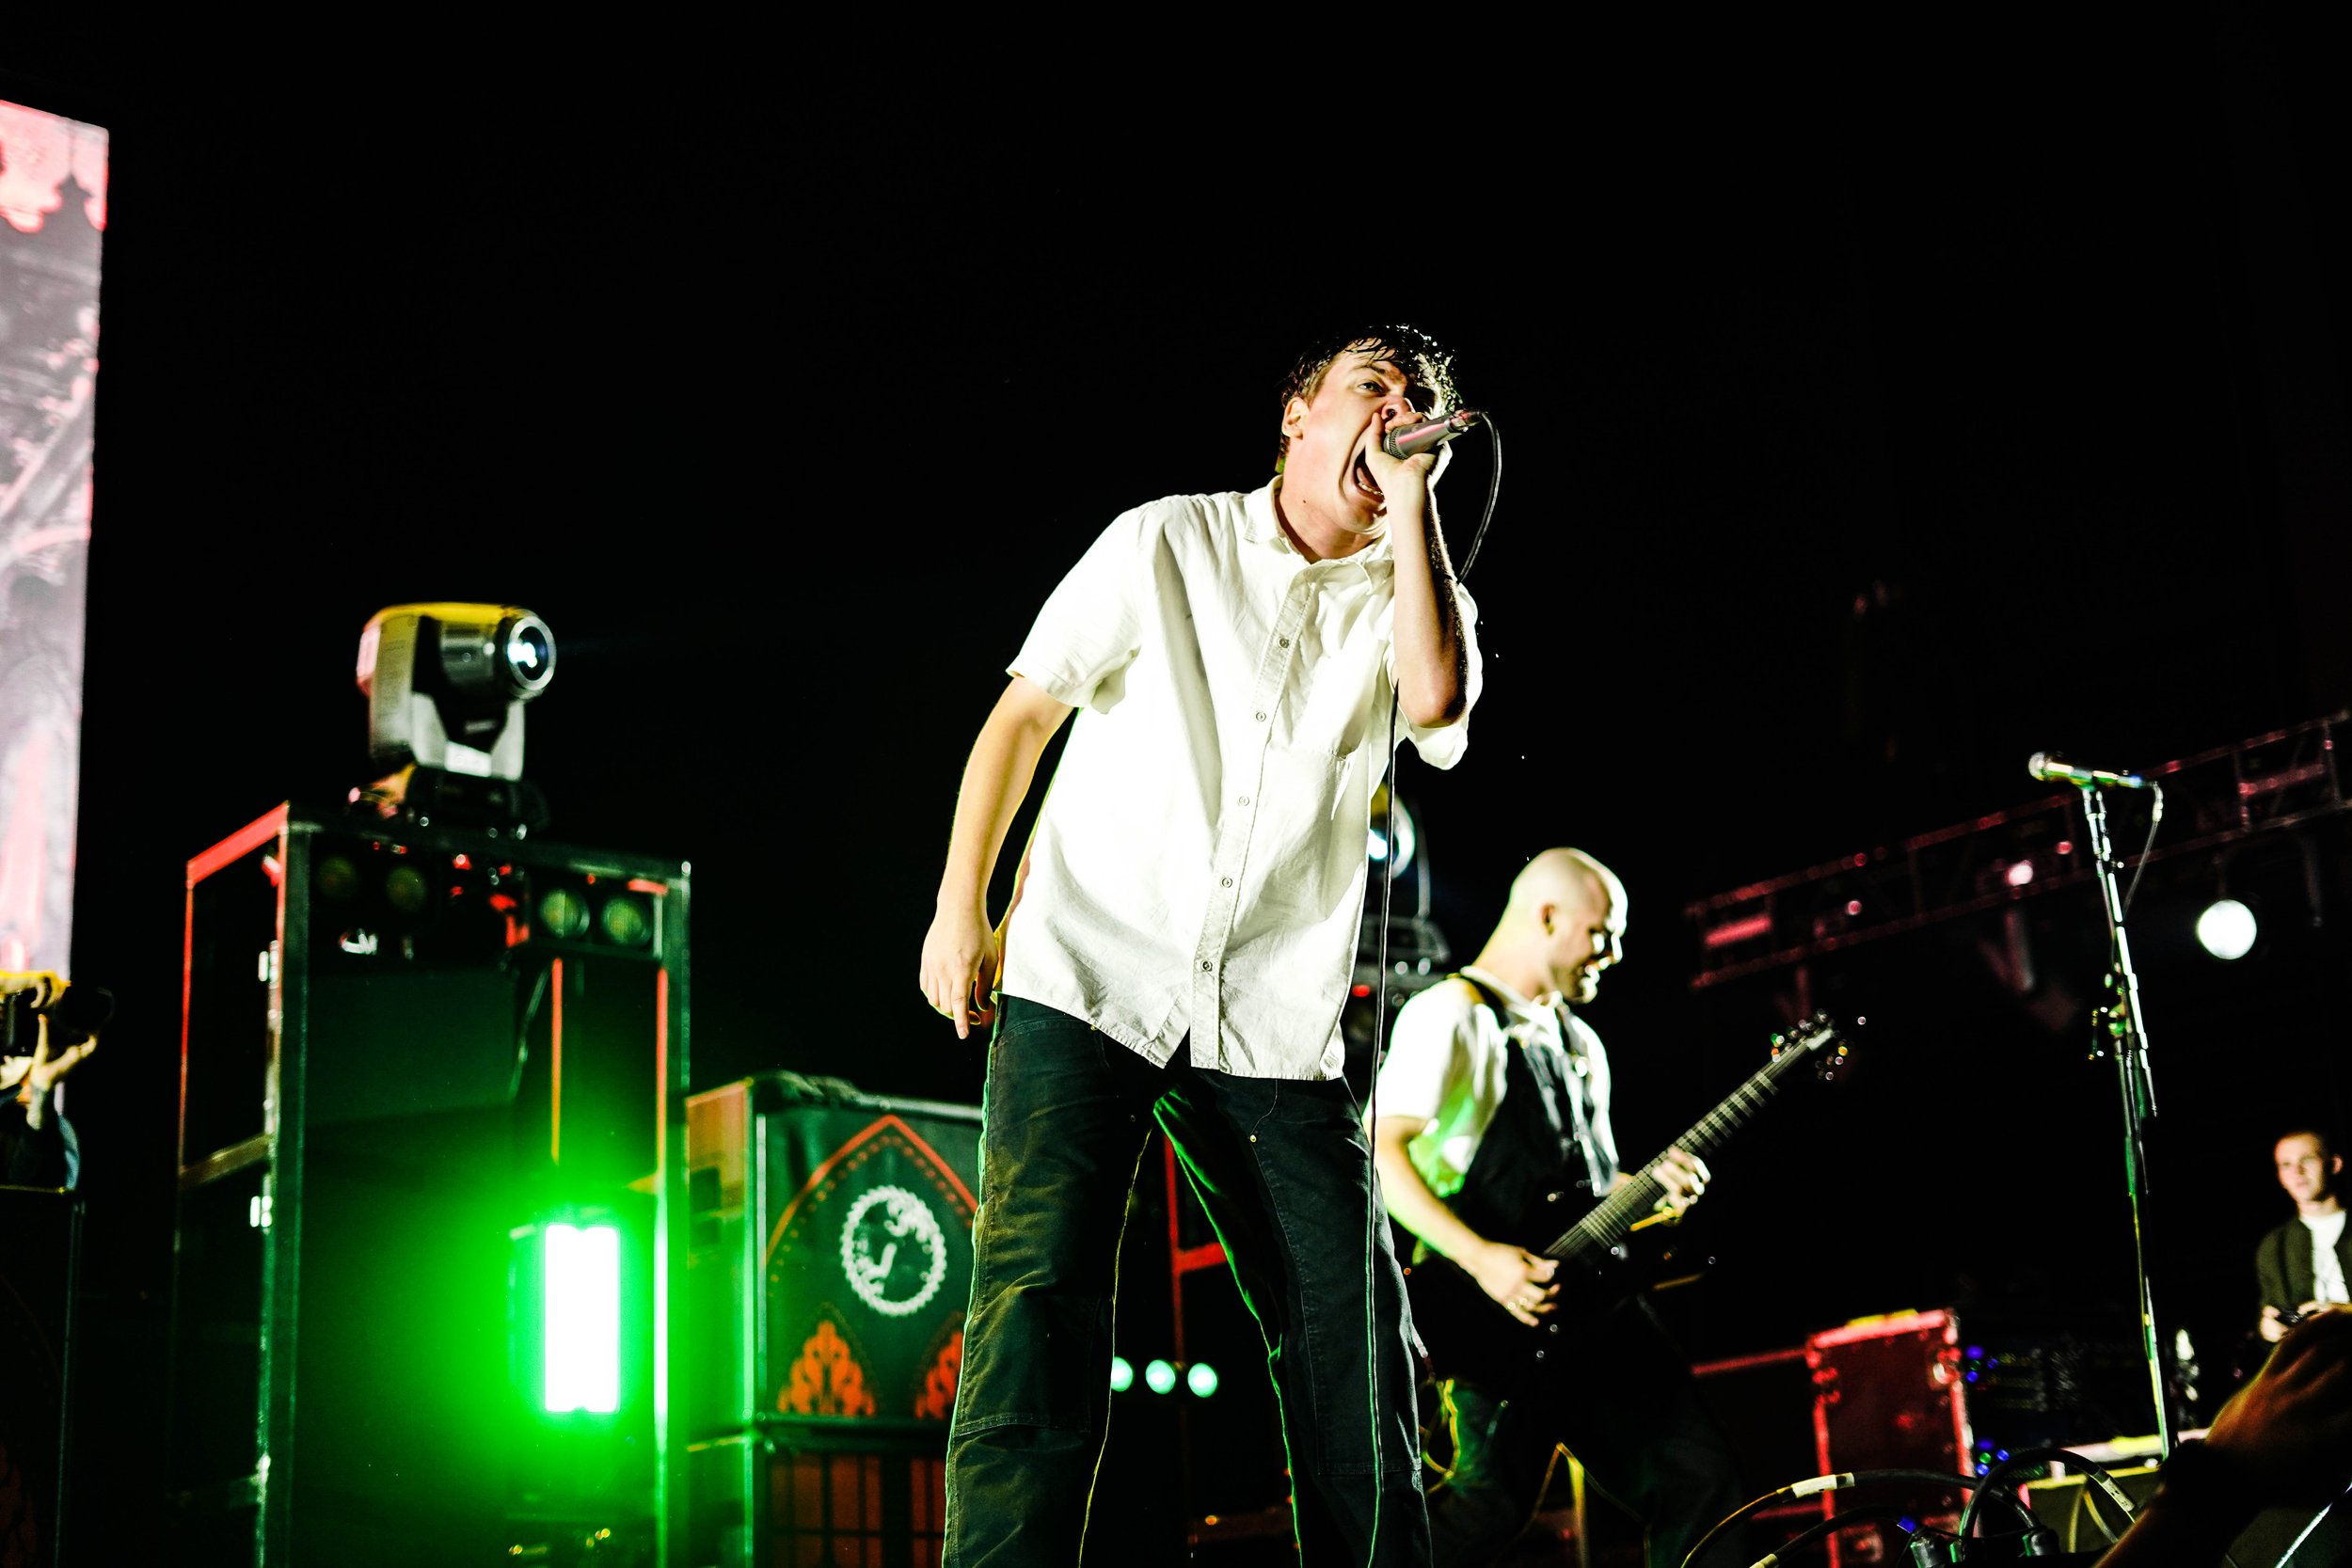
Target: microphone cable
(1842, 1480)
(1373, 1219)
(1999, 1474)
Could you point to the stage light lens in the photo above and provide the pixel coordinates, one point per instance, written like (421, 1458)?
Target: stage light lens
(1123, 1374)
(407, 889)
(2019, 875)
(583, 1318)
(2227, 929)
(1159, 1377)
(1384, 826)
(564, 915)
(530, 653)
(626, 921)
(1201, 1379)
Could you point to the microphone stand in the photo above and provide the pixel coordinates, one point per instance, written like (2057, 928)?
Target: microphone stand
(2129, 1042)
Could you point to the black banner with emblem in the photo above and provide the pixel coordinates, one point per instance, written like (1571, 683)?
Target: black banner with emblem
(866, 1259)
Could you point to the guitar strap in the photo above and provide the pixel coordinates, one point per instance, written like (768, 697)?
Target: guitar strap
(1568, 1076)
(1581, 1100)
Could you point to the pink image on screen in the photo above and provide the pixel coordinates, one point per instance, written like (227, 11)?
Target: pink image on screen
(53, 201)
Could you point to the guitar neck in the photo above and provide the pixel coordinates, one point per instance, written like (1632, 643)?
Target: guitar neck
(1611, 1221)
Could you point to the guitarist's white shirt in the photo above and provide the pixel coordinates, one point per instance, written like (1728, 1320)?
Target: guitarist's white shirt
(1449, 1062)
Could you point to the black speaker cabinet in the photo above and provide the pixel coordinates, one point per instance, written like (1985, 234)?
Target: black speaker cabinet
(831, 1265)
(431, 1155)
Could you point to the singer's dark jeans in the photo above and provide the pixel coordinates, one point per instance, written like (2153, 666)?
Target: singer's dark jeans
(1284, 1172)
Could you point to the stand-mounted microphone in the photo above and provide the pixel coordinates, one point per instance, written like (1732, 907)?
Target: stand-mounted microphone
(2049, 769)
(1411, 440)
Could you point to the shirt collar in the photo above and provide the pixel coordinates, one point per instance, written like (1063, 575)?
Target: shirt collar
(1537, 1007)
(1259, 526)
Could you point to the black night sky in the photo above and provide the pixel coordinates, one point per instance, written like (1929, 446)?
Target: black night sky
(1881, 405)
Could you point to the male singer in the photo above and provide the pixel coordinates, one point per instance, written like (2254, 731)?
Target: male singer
(1178, 945)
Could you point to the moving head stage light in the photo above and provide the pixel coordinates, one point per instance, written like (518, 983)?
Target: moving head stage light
(446, 685)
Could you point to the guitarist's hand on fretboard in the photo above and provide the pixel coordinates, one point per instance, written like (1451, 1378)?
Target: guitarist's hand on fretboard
(1681, 1177)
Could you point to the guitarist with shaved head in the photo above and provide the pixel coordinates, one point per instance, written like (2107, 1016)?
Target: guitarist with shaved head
(1492, 1126)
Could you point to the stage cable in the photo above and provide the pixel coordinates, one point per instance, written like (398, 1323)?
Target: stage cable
(1998, 1476)
(2155, 815)
(1840, 1480)
(1380, 1008)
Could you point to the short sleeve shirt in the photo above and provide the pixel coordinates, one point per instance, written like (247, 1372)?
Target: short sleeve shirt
(1198, 869)
(1448, 1064)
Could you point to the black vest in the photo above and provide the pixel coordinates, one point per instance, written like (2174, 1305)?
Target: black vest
(1532, 1173)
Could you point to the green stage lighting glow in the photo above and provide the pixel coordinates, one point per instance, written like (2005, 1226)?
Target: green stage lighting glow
(564, 913)
(1123, 1374)
(626, 921)
(583, 1318)
(1201, 1379)
(1159, 1377)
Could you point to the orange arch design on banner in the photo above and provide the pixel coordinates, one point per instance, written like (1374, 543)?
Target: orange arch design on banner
(826, 1379)
(937, 1401)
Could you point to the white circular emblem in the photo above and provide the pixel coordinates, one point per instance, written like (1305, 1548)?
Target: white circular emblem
(880, 1251)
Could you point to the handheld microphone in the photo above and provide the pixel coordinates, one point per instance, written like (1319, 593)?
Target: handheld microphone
(1411, 440)
(2049, 769)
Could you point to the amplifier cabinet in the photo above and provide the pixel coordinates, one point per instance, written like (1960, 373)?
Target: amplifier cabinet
(431, 1175)
(1889, 1394)
(829, 1269)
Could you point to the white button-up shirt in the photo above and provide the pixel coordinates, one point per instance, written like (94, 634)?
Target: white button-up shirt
(1199, 865)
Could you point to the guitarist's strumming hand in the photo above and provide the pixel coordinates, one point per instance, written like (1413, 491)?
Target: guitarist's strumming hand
(1517, 1280)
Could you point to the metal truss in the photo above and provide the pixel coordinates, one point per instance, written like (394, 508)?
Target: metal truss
(2271, 782)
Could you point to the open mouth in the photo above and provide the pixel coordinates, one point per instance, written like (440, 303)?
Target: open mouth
(1362, 476)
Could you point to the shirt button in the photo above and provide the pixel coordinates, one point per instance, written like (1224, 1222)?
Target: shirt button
(1204, 966)
(1225, 881)
(1245, 800)
(1286, 641)
(1260, 718)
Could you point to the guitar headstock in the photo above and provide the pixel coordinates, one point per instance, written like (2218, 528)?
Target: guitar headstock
(1819, 1036)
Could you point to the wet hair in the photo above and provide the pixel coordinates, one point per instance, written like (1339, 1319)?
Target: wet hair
(1428, 368)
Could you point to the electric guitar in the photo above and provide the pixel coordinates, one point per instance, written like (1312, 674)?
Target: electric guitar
(1469, 1334)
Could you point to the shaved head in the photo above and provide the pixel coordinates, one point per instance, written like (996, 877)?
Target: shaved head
(1564, 925)
(1565, 876)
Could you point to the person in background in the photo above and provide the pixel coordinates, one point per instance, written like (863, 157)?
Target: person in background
(2304, 1263)
(38, 1147)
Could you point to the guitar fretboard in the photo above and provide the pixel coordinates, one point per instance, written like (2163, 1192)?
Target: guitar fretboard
(1612, 1220)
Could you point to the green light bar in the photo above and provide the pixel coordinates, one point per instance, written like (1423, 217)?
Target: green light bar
(583, 1318)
